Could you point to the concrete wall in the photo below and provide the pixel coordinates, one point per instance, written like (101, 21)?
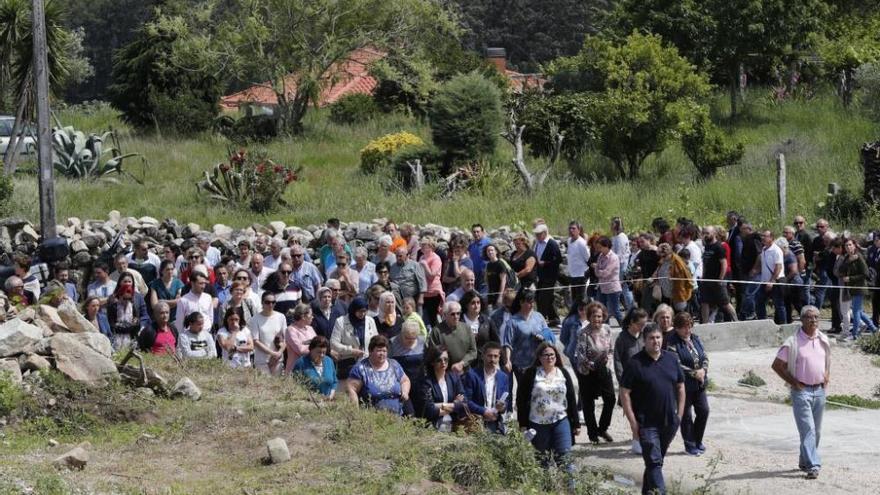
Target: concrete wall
(743, 334)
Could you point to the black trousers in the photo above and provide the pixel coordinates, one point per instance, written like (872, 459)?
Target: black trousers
(577, 290)
(875, 306)
(545, 298)
(597, 384)
(694, 426)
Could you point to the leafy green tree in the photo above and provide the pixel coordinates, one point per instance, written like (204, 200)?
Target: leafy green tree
(270, 40)
(851, 39)
(720, 35)
(466, 117)
(708, 148)
(641, 93)
(16, 61)
(151, 88)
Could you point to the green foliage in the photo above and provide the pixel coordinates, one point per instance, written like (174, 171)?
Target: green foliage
(465, 117)
(642, 92)
(708, 147)
(6, 190)
(353, 109)
(466, 468)
(855, 401)
(429, 157)
(11, 395)
(250, 180)
(155, 89)
(752, 379)
(76, 156)
(377, 154)
(870, 343)
(868, 76)
(846, 207)
(248, 129)
(569, 113)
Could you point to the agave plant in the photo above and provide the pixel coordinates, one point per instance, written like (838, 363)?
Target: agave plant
(79, 157)
(251, 180)
(224, 183)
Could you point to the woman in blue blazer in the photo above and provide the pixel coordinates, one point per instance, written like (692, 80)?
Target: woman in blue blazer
(695, 365)
(441, 396)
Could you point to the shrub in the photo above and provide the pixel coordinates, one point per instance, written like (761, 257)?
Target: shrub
(377, 153)
(855, 401)
(248, 129)
(868, 77)
(466, 468)
(250, 180)
(845, 207)
(752, 379)
(5, 193)
(10, 394)
(353, 109)
(466, 117)
(428, 156)
(870, 343)
(708, 147)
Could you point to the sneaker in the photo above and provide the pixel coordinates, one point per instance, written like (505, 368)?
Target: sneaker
(605, 436)
(701, 448)
(846, 339)
(834, 330)
(693, 451)
(812, 474)
(636, 447)
(594, 441)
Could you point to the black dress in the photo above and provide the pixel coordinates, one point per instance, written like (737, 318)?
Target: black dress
(519, 263)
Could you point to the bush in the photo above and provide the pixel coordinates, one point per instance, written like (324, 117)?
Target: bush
(377, 154)
(5, 194)
(10, 395)
(845, 207)
(466, 117)
(868, 77)
(248, 129)
(428, 156)
(752, 379)
(353, 109)
(709, 148)
(251, 180)
(870, 343)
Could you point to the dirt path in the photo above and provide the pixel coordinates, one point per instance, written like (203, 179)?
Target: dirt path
(757, 438)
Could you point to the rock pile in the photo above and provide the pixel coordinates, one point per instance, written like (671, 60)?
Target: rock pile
(47, 337)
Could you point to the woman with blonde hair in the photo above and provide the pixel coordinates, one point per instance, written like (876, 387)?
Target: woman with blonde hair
(674, 277)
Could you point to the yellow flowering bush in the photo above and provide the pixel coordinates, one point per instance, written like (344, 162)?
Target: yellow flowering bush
(378, 152)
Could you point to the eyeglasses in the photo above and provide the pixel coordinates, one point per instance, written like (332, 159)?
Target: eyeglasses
(269, 301)
(296, 256)
(284, 272)
(195, 257)
(548, 355)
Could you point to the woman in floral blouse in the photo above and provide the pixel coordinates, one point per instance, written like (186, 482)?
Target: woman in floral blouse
(594, 346)
(546, 403)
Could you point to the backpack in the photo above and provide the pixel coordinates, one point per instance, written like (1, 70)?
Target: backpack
(512, 279)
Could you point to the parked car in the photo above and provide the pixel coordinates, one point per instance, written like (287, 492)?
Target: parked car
(28, 147)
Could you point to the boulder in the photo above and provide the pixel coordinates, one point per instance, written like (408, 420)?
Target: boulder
(35, 362)
(114, 217)
(278, 451)
(73, 320)
(73, 459)
(222, 231)
(18, 337)
(277, 227)
(10, 367)
(93, 241)
(50, 316)
(145, 221)
(74, 222)
(186, 388)
(79, 362)
(95, 341)
(82, 259)
(79, 247)
(13, 223)
(367, 235)
(261, 229)
(108, 232)
(190, 229)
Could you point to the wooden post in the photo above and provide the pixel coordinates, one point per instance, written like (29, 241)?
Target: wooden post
(44, 135)
(780, 186)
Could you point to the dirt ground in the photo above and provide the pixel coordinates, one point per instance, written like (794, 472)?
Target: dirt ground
(751, 436)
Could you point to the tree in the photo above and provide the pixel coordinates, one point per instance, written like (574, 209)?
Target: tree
(641, 92)
(851, 39)
(152, 88)
(465, 117)
(16, 62)
(268, 41)
(721, 35)
(532, 32)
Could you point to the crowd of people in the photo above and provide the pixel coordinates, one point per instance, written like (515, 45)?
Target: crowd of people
(442, 332)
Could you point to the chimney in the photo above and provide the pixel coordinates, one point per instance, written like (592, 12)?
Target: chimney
(498, 58)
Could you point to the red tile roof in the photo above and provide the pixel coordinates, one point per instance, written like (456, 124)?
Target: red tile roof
(350, 76)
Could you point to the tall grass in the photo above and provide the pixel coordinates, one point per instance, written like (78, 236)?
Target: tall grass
(820, 139)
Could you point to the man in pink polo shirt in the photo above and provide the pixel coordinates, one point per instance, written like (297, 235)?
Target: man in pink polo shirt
(804, 362)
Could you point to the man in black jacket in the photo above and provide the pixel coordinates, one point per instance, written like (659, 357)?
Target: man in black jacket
(549, 259)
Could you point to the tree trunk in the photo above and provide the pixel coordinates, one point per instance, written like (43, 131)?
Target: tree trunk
(10, 159)
(734, 89)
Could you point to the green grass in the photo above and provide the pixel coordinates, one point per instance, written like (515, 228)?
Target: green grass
(820, 139)
(853, 400)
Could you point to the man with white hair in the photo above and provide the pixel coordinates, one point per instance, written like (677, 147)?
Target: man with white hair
(212, 254)
(259, 273)
(383, 251)
(466, 281)
(273, 259)
(456, 336)
(304, 274)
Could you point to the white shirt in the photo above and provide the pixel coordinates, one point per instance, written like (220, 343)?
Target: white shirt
(264, 329)
(151, 259)
(212, 256)
(190, 303)
(490, 388)
(578, 257)
(620, 246)
(199, 345)
(257, 284)
(770, 257)
(696, 258)
(98, 289)
(238, 359)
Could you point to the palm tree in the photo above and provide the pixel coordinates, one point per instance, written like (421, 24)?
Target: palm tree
(16, 61)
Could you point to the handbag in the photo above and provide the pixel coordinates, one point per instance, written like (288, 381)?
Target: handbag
(656, 291)
(469, 423)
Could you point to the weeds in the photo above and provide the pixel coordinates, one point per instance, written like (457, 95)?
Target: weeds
(870, 343)
(10, 395)
(752, 379)
(853, 400)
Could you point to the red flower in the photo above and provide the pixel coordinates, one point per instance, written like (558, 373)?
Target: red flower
(277, 169)
(224, 167)
(261, 167)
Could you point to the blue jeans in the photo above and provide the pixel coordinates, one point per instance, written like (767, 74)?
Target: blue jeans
(858, 316)
(554, 439)
(778, 303)
(654, 442)
(627, 293)
(808, 405)
(819, 299)
(612, 303)
(747, 308)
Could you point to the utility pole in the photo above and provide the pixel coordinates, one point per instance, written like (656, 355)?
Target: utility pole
(44, 135)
